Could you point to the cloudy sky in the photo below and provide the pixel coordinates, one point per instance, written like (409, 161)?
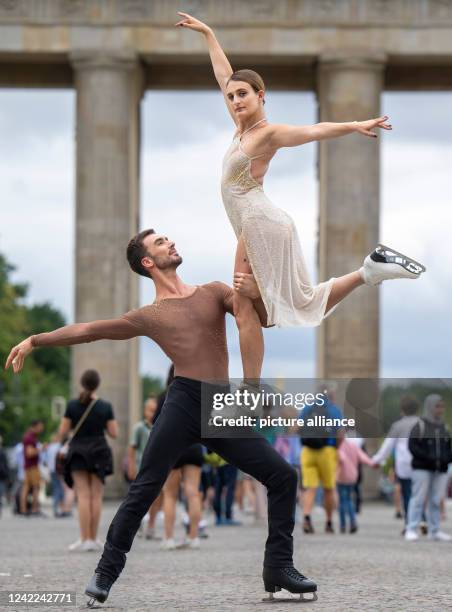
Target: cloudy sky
(184, 138)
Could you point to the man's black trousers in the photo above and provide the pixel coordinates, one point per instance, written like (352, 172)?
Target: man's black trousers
(177, 427)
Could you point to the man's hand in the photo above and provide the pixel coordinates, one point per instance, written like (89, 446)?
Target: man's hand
(131, 473)
(18, 354)
(366, 127)
(246, 285)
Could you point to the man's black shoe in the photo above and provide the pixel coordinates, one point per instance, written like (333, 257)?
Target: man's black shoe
(290, 579)
(98, 588)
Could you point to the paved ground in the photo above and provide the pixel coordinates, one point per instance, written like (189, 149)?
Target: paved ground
(373, 570)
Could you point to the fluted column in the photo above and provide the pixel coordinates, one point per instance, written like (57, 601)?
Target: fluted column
(349, 88)
(109, 89)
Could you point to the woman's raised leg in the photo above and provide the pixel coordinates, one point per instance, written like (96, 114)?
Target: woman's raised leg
(248, 323)
(342, 287)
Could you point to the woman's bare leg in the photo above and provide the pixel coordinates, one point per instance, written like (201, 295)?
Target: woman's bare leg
(155, 508)
(83, 491)
(192, 478)
(69, 496)
(248, 323)
(97, 491)
(23, 498)
(250, 495)
(342, 287)
(170, 491)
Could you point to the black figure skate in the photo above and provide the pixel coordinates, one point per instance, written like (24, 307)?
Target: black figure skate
(385, 263)
(98, 588)
(290, 579)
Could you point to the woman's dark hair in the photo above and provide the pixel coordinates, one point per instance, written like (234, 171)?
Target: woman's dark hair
(248, 76)
(136, 251)
(90, 380)
(409, 405)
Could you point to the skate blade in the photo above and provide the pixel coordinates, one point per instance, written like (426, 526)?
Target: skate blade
(411, 265)
(94, 604)
(295, 598)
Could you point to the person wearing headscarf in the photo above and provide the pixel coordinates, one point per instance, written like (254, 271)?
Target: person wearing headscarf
(430, 445)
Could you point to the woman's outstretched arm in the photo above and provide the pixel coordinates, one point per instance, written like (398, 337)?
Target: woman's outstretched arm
(220, 63)
(292, 136)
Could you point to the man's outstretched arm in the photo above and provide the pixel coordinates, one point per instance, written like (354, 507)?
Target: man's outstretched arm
(78, 333)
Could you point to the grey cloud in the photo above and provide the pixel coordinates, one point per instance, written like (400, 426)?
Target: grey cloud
(27, 116)
(174, 118)
(419, 116)
(415, 341)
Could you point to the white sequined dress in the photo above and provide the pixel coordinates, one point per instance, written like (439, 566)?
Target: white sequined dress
(272, 246)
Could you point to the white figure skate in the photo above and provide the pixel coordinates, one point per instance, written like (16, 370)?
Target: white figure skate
(385, 263)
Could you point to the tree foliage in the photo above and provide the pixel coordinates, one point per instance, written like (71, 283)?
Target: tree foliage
(28, 395)
(151, 385)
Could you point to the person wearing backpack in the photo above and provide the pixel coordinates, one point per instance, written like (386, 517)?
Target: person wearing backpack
(319, 458)
(430, 445)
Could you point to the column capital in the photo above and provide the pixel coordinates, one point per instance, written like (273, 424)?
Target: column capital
(91, 59)
(353, 59)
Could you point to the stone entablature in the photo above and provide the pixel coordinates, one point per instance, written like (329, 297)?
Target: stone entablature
(289, 13)
(278, 32)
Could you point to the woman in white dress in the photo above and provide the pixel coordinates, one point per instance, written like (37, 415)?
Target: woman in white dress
(268, 244)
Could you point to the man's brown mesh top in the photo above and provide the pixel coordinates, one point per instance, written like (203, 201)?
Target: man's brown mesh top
(190, 330)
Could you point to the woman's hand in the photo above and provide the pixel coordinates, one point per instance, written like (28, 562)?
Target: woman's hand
(246, 285)
(18, 354)
(366, 127)
(193, 24)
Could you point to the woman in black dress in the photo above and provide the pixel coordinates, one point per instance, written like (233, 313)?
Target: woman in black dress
(89, 459)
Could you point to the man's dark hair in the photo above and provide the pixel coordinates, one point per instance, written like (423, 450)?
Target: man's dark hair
(136, 251)
(36, 422)
(409, 405)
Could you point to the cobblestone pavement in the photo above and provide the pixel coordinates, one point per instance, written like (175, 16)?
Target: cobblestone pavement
(372, 570)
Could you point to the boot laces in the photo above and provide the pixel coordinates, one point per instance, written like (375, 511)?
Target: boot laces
(294, 573)
(103, 581)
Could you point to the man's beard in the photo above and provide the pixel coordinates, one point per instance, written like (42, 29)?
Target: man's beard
(166, 263)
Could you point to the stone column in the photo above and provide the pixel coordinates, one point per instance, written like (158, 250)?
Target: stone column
(109, 89)
(349, 88)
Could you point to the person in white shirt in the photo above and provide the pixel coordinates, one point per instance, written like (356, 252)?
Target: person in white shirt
(397, 440)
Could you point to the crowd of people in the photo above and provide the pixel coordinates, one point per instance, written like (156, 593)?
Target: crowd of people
(78, 459)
